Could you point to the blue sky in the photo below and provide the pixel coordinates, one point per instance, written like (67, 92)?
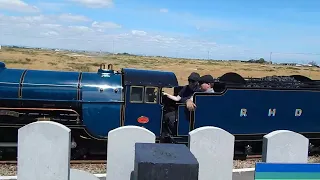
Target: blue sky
(220, 29)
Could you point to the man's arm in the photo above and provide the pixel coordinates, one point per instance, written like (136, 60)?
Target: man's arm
(179, 96)
(184, 99)
(190, 105)
(174, 98)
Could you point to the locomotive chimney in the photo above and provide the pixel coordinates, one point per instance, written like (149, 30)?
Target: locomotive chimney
(104, 70)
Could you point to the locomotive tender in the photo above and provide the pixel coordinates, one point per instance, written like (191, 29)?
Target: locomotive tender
(93, 103)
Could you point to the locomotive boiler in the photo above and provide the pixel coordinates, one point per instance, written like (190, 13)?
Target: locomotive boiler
(93, 103)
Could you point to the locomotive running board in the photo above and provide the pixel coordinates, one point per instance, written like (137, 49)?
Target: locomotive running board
(8, 144)
(45, 109)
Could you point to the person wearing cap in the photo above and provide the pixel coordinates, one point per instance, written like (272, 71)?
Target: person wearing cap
(206, 85)
(184, 94)
(187, 91)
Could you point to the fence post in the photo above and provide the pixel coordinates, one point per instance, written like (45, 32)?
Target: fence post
(44, 151)
(121, 150)
(213, 147)
(283, 146)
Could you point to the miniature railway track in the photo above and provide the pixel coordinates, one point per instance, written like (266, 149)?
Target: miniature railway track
(254, 157)
(71, 162)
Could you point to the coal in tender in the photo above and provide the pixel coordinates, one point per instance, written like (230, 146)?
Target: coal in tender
(274, 82)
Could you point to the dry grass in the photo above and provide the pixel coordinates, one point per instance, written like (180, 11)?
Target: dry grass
(50, 60)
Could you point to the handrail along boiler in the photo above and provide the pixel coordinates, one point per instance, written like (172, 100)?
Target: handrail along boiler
(93, 103)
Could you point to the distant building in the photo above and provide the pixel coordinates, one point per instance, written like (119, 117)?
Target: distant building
(288, 64)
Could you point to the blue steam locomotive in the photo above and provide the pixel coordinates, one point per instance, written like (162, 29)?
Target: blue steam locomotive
(93, 103)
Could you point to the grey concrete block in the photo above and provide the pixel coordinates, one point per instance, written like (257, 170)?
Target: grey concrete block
(76, 174)
(164, 161)
(121, 148)
(44, 151)
(213, 147)
(285, 146)
(243, 174)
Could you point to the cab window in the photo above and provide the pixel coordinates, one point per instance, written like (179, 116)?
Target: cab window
(151, 95)
(136, 94)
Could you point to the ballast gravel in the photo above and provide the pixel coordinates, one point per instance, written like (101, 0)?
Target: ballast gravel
(11, 170)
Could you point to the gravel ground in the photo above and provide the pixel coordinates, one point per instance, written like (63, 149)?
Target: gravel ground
(10, 170)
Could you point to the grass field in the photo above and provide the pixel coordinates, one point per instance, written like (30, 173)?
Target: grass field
(67, 61)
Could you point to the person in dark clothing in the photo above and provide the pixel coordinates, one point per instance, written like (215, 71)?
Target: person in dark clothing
(185, 93)
(206, 85)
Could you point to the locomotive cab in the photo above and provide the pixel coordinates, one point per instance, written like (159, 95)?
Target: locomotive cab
(142, 93)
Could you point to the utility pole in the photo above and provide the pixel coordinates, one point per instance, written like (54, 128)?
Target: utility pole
(270, 56)
(113, 46)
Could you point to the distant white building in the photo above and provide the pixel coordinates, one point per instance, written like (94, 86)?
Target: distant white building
(0, 47)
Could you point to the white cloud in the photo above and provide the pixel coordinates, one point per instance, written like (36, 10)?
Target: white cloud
(18, 6)
(94, 3)
(54, 32)
(50, 26)
(45, 19)
(50, 33)
(73, 18)
(51, 6)
(79, 29)
(101, 26)
(139, 33)
(164, 10)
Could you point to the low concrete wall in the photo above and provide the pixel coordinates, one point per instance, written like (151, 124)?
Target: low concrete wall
(238, 174)
(243, 174)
